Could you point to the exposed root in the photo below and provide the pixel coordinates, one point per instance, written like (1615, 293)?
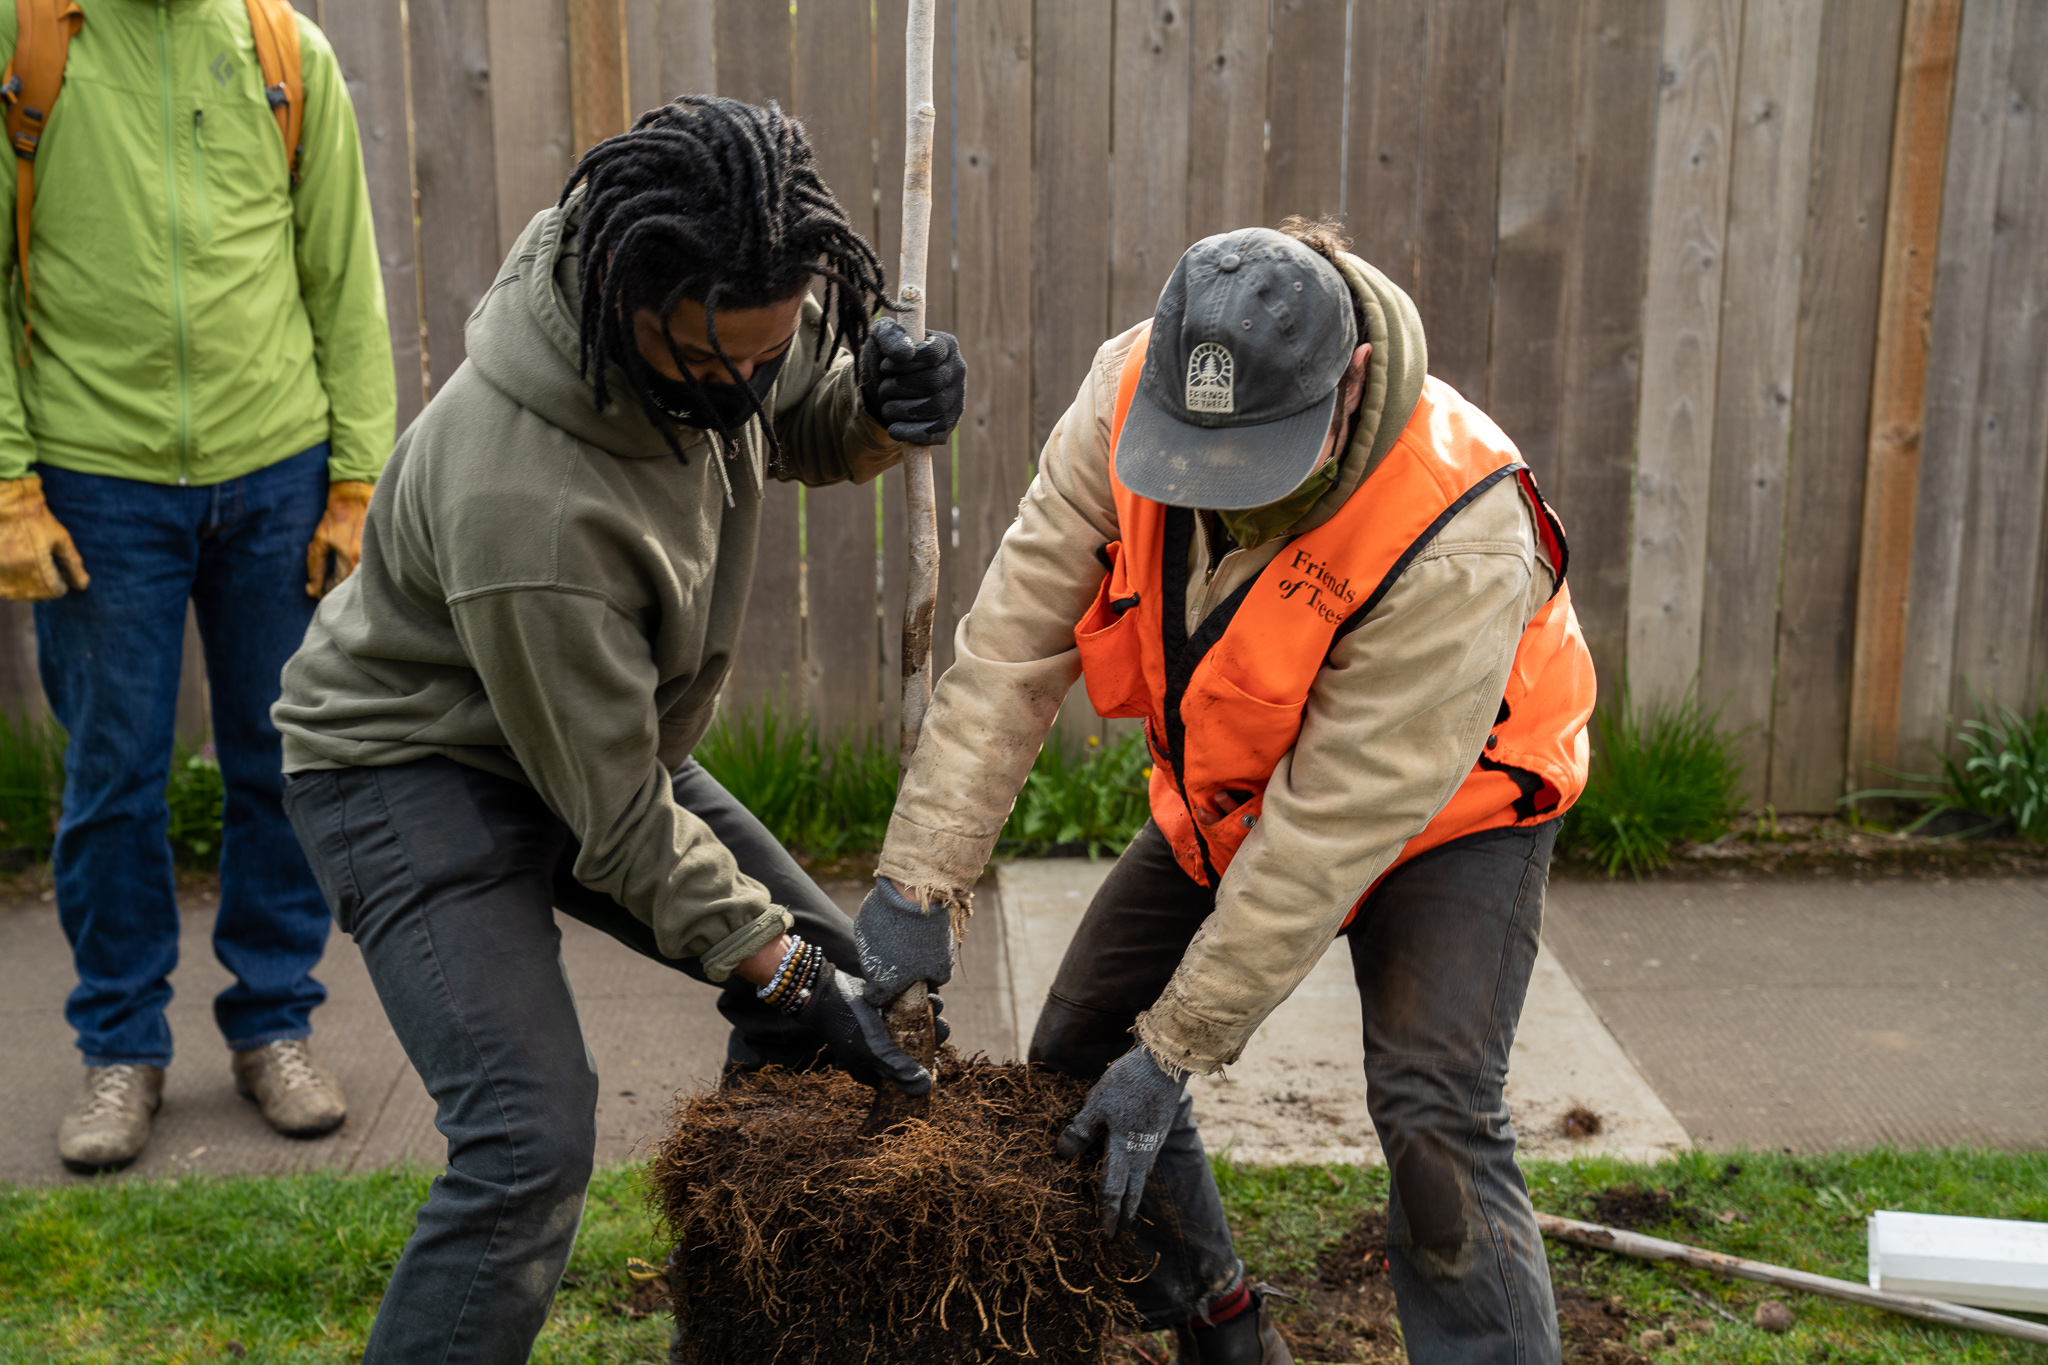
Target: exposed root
(800, 1242)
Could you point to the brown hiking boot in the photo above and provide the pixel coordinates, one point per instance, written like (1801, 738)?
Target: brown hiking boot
(1248, 1339)
(109, 1127)
(297, 1098)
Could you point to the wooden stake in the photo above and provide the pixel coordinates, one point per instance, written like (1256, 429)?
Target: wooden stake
(909, 1016)
(1603, 1238)
(921, 118)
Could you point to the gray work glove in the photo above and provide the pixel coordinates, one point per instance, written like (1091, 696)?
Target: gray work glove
(900, 943)
(916, 390)
(859, 1041)
(1133, 1106)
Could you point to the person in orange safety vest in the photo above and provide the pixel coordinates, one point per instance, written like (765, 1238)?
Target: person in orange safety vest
(1329, 588)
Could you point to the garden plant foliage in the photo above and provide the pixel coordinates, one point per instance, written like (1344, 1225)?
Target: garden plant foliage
(1663, 774)
(829, 799)
(2002, 774)
(32, 792)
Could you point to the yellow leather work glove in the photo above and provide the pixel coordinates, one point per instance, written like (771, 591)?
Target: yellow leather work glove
(37, 559)
(338, 543)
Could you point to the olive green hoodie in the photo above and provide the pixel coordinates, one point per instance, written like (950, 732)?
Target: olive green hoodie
(197, 317)
(548, 594)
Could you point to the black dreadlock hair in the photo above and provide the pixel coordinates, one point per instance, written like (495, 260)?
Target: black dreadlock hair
(720, 202)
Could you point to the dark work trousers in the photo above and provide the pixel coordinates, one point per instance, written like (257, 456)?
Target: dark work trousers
(448, 878)
(1442, 953)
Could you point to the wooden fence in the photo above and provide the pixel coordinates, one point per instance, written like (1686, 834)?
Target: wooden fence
(1760, 287)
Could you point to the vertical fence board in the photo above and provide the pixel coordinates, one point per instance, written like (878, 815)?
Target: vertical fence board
(1149, 191)
(1681, 343)
(1070, 115)
(2001, 565)
(1927, 70)
(1770, 159)
(1831, 411)
(1305, 107)
(597, 69)
(685, 31)
(1383, 182)
(1226, 117)
(533, 135)
(1579, 95)
(1962, 299)
(643, 57)
(458, 189)
(1070, 207)
(1458, 210)
(835, 98)
(992, 166)
(369, 41)
(755, 63)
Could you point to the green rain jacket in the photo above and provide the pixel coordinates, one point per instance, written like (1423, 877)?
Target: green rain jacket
(196, 318)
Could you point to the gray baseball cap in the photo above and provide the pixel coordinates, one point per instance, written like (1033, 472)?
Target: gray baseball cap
(1251, 338)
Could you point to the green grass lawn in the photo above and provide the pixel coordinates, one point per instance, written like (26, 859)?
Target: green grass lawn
(290, 1268)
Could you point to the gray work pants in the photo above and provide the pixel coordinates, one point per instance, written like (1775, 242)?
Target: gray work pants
(448, 878)
(1442, 953)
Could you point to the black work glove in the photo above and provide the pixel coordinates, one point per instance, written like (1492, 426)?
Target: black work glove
(915, 391)
(854, 1033)
(900, 943)
(1133, 1106)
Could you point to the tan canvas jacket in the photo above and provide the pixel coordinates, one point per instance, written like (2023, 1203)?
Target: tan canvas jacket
(1393, 724)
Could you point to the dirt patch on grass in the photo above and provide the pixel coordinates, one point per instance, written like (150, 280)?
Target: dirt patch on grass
(1809, 845)
(960, 1238)
(1629, 1207)
(1345, 1313)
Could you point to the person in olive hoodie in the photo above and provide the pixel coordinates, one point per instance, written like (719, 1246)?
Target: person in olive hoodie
(493, 717)
(205, 398)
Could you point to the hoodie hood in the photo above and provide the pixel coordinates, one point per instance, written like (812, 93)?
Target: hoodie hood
(523, 339)
(1393, 381)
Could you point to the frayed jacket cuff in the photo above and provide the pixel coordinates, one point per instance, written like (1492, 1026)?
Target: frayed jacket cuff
(743, 943)
(1182, 1040)
(938, 862)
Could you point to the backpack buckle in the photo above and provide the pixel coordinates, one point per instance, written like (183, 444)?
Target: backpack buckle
(277, 96)
(11, 92)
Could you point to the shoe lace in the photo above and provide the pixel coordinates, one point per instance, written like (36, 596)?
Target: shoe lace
(294, 1064)
(110, 1087)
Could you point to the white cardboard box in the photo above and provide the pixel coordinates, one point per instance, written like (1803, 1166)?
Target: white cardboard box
(1988, 1262)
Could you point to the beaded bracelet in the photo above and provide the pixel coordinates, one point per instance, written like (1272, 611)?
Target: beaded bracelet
(789, 990)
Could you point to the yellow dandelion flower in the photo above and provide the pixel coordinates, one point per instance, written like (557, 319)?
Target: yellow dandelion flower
(1147, 774)
(1094, 740)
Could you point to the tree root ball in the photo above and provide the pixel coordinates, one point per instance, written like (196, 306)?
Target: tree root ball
(959, 1238)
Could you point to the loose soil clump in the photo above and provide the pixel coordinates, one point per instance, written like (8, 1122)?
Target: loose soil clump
(958, 1238)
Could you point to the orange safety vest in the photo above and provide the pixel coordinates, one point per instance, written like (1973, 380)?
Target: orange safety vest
(1223, 706)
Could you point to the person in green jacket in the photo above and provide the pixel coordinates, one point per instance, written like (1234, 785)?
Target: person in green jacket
(205, 398)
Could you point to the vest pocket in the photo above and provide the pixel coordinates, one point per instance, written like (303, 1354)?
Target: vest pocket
(1111, 642)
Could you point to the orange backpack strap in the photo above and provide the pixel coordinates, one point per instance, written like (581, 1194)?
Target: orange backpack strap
(277, 51)
(42, 44)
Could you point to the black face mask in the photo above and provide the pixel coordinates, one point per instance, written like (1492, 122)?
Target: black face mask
(723, 407)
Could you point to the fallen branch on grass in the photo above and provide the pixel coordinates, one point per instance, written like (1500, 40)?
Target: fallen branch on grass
(1603, 1238)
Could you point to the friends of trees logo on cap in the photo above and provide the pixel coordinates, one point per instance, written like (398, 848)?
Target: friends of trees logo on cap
(1212, 379)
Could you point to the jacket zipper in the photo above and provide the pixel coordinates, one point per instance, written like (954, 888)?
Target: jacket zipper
(199, 173)
(163, 50)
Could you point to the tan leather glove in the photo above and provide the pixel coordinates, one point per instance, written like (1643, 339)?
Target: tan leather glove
(338, 543)
(37, 559)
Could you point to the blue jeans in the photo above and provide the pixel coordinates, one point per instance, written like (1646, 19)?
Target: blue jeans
(1442, 952)
(109, 658)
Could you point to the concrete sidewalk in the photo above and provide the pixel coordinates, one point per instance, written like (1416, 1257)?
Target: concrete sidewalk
(1806, 1013)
